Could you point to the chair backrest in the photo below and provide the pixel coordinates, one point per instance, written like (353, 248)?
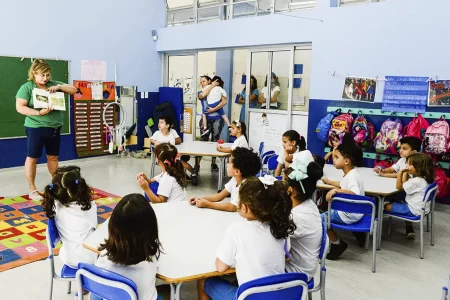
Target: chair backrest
(353, 204)
(104, 283)
(325, 243)
(53, 237)
(261, 148)
(430, 192)
(154, 187)
(272, 163)
(266, 155)
(280, 286)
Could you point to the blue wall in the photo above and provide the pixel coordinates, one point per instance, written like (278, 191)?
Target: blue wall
(109, 30)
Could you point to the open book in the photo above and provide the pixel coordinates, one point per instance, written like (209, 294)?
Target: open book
(45, 99)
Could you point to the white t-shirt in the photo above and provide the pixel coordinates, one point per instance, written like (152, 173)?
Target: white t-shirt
(159, 137)
(306, 240)
(142, 274)
(415, 191)
(252, 249)
(74, 227)
(174, 133)
(215, 94)
(169, 187)
(281, 158)
(232, 188)
(399, 165)
(352, 182)
(264, 90)
(240, 142)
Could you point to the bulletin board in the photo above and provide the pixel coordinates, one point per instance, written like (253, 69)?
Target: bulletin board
(267, 128)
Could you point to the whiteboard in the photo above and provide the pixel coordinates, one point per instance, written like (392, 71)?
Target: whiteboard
(268, 129)
(300, 124)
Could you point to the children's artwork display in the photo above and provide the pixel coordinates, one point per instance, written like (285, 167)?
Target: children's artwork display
(359, 89)
(439, 93)
(405, 94)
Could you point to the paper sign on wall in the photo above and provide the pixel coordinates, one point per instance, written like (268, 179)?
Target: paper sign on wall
(93, 70)
(84, 91)
(405, 94)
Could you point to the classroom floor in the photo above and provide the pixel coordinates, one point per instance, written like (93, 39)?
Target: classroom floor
(401, 274)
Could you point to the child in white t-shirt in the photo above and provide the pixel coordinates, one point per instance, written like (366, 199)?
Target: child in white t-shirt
(293, 142)
(346, 157)
(301, 178)
(69, 200)
(414, 180)
(254, 245)
(163, 135)
(172, 180)
(238, 129)
(132, 248)
(214, 94)
(243, 164)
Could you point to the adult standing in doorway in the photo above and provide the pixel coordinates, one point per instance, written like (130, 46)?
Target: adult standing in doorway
(42, 126)
(254, 94)
(274, 93)
(214, 120)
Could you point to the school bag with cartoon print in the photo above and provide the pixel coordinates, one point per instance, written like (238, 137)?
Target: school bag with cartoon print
(436, 138)
(388, 139)
(363, 131)
(417, 127)
(324, 125)
(339, 126)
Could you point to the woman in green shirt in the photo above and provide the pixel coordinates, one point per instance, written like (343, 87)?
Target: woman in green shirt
(42, 126)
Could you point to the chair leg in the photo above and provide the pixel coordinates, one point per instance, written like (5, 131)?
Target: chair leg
(69, 289)
(389, 225)
(432, 229)
(421, 238)
(428, 223)
(51, 288)
(366, 244)
(309, 296)
(374, 248)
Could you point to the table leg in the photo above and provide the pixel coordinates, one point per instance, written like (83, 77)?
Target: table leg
(380, 220)
(175, 291)
(221, 170)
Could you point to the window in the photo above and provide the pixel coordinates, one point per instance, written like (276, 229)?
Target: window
(347, 2)
(290, 5)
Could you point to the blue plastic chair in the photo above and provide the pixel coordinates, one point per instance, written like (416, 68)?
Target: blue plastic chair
(280, 286)
(261, 149)
(154, 187)
(324, 248)
(444, 293)
(360, 205)
(264, 161)
(105, 284)
(430, 196)
(67, 273)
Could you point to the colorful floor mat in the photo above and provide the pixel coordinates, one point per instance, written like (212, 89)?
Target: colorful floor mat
(23, 224)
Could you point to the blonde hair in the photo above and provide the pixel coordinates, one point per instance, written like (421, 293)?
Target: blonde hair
(38, 65)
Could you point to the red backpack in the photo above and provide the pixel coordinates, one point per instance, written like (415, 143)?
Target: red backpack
(384, 164)
(417, 127)
(441, 180)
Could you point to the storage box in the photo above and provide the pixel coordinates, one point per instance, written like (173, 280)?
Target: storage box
(147, 143)
(132, 140)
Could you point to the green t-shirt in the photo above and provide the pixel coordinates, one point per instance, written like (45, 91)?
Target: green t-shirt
(54, 119)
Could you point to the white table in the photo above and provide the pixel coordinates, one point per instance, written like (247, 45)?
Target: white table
(199, 149)
(374, 185)
(189, 236)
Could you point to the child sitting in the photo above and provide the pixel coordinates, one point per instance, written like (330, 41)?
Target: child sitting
(172, 181)
(255, 245)
(414, 180)
(408, 146)
(69, 200)
(346, 157)
(292, 142)
(163, 135)
(243, 164)
(301, 178)
(238, 129)
(132, 248)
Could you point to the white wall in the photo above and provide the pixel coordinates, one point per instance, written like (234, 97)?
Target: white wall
(401, 37)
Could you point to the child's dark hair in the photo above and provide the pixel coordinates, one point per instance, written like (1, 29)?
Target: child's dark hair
(414, 142)
(168, 155)
(314, 171)
(246, 160)
(241, 124)
(423, 164)
(206, 77)
(350, 150)
(320, 160)
(299, 140)
(67, 186)
(168, 120)
(219, 80)
(270, 204)
(133, 232)
(275, 81)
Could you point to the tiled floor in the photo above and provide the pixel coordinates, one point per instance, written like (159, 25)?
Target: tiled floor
(401, 274)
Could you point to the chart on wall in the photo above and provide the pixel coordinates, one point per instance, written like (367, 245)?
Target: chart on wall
(405, 94)
(267, 128)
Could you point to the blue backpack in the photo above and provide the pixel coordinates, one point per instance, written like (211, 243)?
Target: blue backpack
(324, 125)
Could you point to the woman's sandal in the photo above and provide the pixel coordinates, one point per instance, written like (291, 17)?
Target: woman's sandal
(35, 195)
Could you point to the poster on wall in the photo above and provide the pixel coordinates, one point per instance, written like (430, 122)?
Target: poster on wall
(359, 89)
(188, 91)
(439, 94)
(405, 94)
(84, 91)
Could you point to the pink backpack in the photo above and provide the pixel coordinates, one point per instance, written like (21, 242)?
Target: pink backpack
(417, 127)
(339, 126)
(436, 138)
(388, 139)
(441, 181)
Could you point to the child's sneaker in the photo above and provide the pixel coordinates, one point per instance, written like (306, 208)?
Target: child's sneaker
(410, 234)
(214, 168)
(360, 237)
(205, 131)
(336, 250)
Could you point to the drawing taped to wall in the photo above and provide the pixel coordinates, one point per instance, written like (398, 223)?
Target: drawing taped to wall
(359, 89)
(439, 93)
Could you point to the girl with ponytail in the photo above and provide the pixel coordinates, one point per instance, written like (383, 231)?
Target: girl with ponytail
(172, 180)
(68, 199)
(293, 142)
(255, 245)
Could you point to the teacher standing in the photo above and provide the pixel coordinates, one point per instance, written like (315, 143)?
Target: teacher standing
(42, 126)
